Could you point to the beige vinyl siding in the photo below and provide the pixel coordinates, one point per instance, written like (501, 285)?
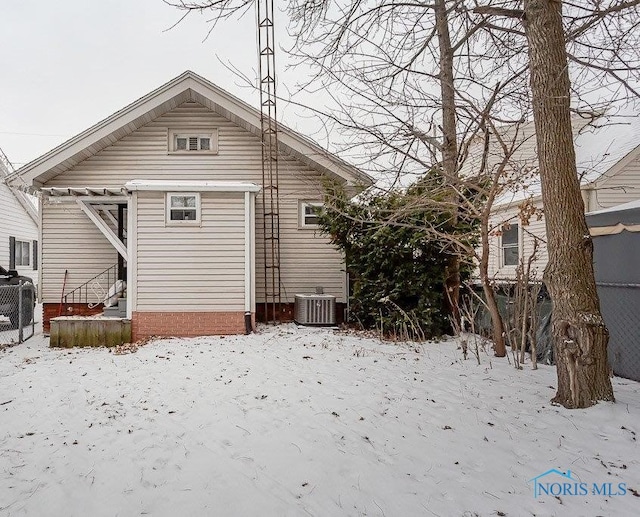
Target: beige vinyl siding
(535, 228)
(307, 259)
(71, 242)
(191, 267)
(496, 270)
(622, 187)
(618, 189)
(15, 222)
(620, 184)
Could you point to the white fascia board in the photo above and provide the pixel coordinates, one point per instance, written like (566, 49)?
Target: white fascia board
(104, 128)
(192, 186)
(286, 136)
(225, 100)
(323, 158)
(32, 171)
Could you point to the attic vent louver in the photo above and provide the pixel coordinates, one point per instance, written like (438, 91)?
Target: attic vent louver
(193, 141)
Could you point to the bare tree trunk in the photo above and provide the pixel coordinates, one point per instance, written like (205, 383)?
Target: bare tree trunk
(525, 317)
(579, 333)
(449, 143)
(497, 324)
(529, 306)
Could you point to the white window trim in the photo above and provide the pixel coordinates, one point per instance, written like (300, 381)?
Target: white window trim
(167, 216)
(302, 224)
(211, 133)
(27, 245)
(516, 245)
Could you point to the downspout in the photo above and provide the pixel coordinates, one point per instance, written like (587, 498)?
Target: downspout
(40, 246)
(132, 208)
(586, 192)
(248, 253)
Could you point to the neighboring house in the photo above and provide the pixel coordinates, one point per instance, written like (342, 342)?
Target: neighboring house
(608, 158)
(165, 194)
(18, 228)
(616, 250)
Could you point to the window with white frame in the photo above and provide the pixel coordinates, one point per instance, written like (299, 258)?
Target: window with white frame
(193, 141)
(183, 208)
(510, 245)
(23, 253)
(309, 212)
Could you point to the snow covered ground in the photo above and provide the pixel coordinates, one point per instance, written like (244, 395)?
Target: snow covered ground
(298, 421)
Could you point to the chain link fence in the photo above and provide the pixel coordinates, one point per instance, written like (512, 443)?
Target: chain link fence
(17, 322)
(620, 306)
(505, 299)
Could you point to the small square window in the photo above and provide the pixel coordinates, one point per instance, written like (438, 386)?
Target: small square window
(309, 212)
(183, 209)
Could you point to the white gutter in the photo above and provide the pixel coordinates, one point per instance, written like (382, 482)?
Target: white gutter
(191, 186)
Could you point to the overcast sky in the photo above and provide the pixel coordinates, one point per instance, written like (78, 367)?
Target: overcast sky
(67, 64)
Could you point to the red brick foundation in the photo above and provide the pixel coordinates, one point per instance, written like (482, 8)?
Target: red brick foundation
(52, 310)
(285, 312)
(180, 324)
(187, 324)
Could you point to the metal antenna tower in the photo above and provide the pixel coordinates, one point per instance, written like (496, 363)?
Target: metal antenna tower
(6, 167)
(269, 128)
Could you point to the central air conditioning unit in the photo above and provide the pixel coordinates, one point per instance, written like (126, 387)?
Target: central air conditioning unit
(315, 309)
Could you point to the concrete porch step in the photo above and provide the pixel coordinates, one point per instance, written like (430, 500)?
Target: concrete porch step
(117, 311)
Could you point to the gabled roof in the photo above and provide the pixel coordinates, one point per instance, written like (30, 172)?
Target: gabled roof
(188, 86)
(603, 148)
(616, 143)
